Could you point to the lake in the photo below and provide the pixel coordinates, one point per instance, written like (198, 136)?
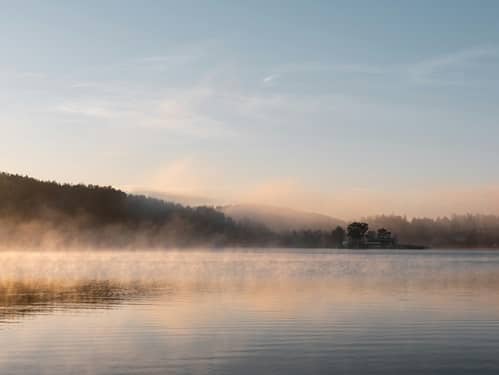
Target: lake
(249, 312)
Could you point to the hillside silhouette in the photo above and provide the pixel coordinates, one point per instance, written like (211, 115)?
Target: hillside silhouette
(33, 211)
(281, 219)
(46, 213)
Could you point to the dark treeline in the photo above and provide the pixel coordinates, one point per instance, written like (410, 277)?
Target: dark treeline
(313, 238)
(459, 231)
(34, 212)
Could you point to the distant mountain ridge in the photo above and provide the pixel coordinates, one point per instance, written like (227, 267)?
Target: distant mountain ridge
(280, 219)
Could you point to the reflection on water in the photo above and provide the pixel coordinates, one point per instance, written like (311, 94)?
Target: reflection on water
(19, 299)
(229, 312)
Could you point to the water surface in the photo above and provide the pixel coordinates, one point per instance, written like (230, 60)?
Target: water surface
(246, 312)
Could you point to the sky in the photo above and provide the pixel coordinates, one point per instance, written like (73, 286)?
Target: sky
(347, 108)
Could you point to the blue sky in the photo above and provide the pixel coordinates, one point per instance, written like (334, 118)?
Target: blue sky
(345, 108)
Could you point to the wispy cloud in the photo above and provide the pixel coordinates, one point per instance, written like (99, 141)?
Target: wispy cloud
(180, 112)
(154, 59)
(32, 75)
(179, 55)
(431, 70)
(24, 76)
(99, 111)
(188, 180)
(215, 108)
(271, 78)
(86, 84)
(167, 60)
(352, 68)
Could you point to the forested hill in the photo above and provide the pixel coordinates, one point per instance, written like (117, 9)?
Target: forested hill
(38, 213)
(32, 211)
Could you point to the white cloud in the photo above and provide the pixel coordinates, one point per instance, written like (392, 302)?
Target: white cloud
(271, 78)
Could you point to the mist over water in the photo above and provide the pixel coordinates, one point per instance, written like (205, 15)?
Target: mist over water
(247, 311)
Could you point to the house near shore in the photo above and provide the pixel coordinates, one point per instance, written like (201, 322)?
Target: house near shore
(381, 239)
(359, 237)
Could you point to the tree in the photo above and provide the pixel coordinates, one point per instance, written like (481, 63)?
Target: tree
(356, 232)
(338, 236)
(385, 238)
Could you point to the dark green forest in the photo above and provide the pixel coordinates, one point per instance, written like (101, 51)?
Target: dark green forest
(32, 211)
(35, 213)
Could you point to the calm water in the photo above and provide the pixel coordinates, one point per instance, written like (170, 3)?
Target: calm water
(250, 312)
